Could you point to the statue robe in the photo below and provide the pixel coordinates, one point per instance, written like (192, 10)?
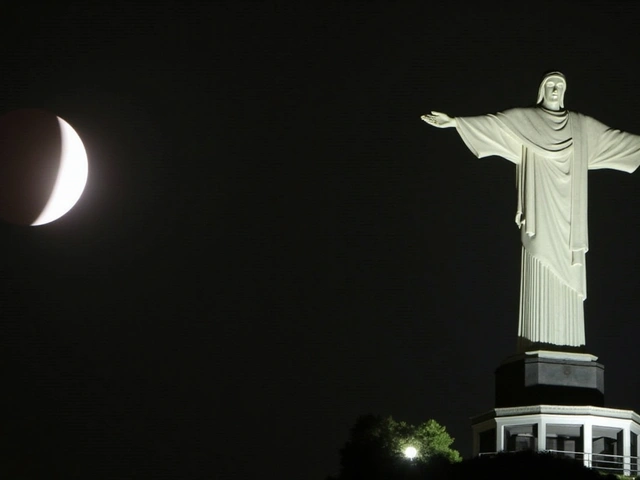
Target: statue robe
(552, 152)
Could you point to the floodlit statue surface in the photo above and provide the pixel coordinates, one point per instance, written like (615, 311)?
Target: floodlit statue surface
(552, 149)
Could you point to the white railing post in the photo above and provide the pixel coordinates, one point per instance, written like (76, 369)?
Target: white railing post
(499, 437)
(542, 436)
(587, 444)
(626, 450)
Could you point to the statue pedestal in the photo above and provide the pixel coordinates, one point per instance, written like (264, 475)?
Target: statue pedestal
(550, 378)
(601, 438)
(554, 402)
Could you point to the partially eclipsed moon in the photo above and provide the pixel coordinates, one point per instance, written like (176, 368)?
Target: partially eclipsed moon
(72, 176)
(43, 167)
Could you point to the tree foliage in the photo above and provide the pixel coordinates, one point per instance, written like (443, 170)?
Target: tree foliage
(376, 446)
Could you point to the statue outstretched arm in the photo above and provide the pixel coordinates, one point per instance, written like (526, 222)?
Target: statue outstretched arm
(484, 135)
(616, 150)
(439, 119)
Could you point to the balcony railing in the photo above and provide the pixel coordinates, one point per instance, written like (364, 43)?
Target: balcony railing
(605, 462)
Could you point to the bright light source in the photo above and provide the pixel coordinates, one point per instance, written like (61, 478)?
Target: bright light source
(72, 176)
(410, 452)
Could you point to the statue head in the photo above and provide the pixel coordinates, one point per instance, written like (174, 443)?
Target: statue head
(551, 91)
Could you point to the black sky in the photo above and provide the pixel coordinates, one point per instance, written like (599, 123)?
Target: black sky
(272, 243)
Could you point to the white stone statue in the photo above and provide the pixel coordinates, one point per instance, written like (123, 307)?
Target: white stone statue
(552, 149)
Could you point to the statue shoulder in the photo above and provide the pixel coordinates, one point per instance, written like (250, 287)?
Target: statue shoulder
(580, 116)
(518, 110)
(518, 113)
(587, 121)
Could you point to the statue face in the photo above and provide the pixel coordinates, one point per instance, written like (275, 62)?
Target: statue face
(554, 88)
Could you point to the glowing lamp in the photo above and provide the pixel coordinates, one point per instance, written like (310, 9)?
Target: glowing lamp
(410, 452)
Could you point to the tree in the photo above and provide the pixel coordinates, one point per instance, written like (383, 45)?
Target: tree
(376, 449)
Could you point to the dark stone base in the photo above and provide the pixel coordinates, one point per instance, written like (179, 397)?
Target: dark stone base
(550, 378)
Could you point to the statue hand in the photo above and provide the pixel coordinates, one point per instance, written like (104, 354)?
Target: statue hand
(439, 119)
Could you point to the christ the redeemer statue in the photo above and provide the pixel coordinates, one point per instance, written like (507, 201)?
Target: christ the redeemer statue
(552, 149)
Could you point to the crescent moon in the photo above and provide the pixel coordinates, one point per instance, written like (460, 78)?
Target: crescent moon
(71, 178)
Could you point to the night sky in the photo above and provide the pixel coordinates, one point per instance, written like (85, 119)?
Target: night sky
(272, 243)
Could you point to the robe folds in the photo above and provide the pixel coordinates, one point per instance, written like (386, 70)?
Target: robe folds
(552, 151)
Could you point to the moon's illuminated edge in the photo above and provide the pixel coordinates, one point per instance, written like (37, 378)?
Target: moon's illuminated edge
(71, 179)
